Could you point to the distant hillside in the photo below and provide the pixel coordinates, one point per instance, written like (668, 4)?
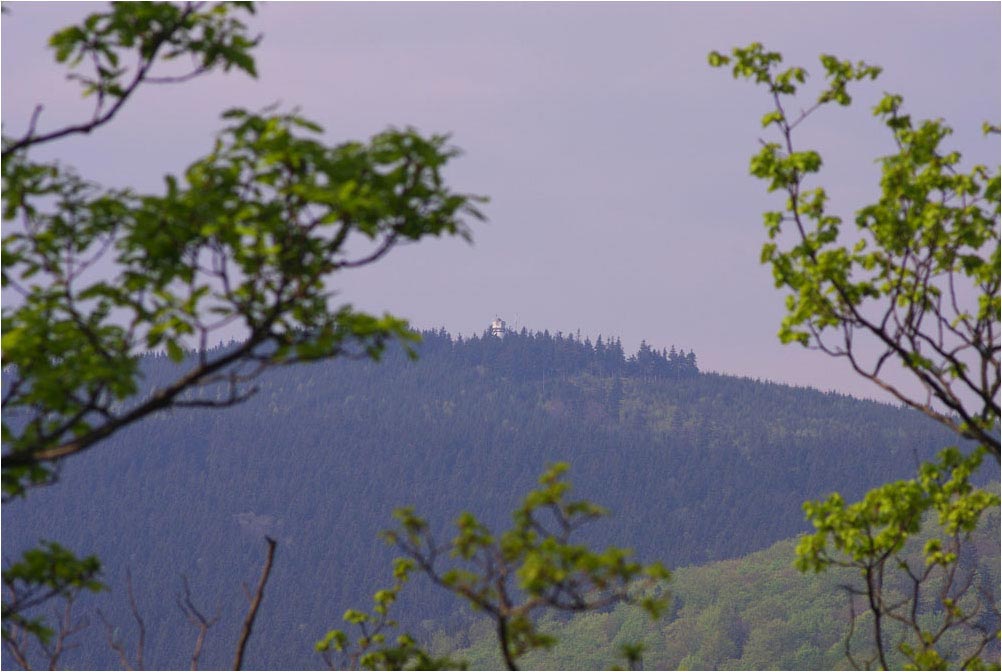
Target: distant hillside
(694, 467)
(752, 613)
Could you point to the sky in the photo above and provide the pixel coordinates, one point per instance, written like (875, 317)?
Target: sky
(615, 159)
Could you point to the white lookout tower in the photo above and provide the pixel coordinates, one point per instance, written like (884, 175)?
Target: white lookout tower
(498, 327)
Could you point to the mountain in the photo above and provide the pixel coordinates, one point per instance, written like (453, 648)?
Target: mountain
(695, 467)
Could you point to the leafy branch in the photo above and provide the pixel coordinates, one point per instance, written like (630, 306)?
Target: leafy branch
(872, 535)
(153, 33)
(532, 567)
(922, 277)
(263, 222)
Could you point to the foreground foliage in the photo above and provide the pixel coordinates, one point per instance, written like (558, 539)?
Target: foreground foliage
(530, 569)
(756, 612)
(917, 283)
(248, 238)
(939, 593)
(250, 235)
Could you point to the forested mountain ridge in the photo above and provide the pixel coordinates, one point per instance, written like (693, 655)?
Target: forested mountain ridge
(694, 467)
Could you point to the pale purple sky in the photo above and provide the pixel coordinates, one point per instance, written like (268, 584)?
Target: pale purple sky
(616, 160)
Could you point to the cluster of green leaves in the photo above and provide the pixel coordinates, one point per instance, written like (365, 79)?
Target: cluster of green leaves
(43, 573)
(755, 612)
(370, 650)
(872, 536)
(530, 568)
(250, 237)
(152, 34)
(56, 351)
(921, 278)
(205, 33)
(920, 274)
(251, 234)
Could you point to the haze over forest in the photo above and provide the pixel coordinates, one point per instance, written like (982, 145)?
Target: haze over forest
(616, 163)
(694, 468)
(448, 336)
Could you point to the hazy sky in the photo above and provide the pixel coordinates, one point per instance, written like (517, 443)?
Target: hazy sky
(616, 160)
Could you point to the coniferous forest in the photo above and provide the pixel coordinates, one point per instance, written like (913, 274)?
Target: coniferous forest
(216, 457)
(694, 467)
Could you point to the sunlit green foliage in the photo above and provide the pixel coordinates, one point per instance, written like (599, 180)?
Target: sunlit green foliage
(530, 569)
(872, 536)
(371, 650)
(917, 279)
(920, 276)
(756, 612)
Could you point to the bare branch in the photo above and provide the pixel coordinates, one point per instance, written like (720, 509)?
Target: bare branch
(68, 626)
(248, 626)
(111, 632)
(196, 618)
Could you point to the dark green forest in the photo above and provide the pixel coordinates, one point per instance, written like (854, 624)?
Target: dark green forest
(695, 468)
